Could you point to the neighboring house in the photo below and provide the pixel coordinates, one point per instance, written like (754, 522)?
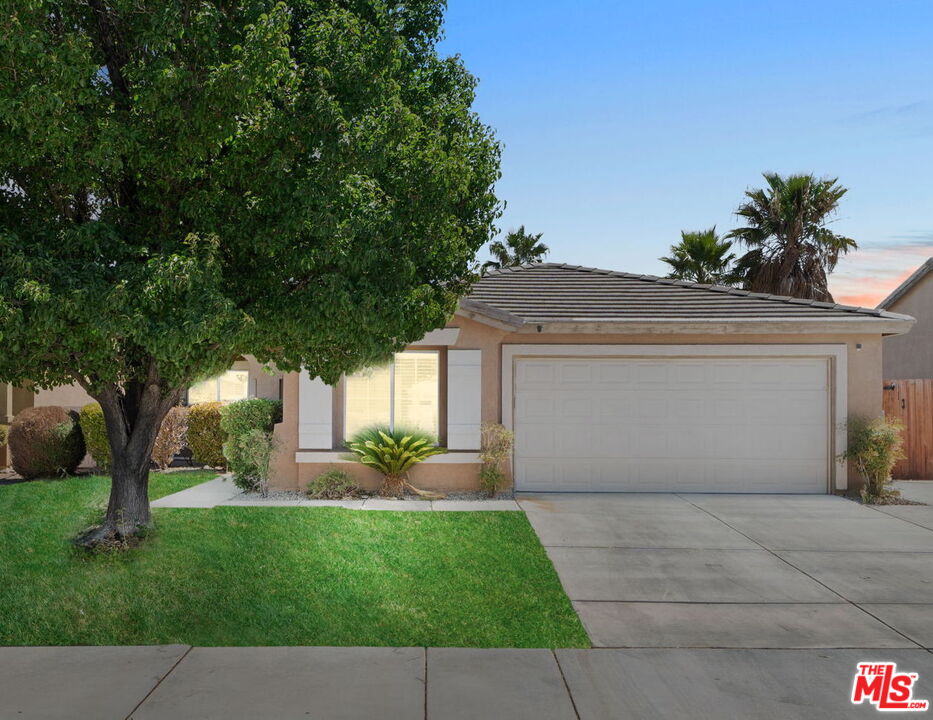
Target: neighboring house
(910, 356)
(12, 400)
(247, 378)
(613, 382)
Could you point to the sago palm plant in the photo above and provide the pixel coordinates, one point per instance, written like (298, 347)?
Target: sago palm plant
(393, 452)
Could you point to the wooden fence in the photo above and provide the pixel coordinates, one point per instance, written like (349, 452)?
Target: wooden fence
(912, 402)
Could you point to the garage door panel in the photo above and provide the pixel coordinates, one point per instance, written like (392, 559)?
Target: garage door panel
(672, 424)
(650, 374)
(531, 372)
(646, 475)
(615, 374)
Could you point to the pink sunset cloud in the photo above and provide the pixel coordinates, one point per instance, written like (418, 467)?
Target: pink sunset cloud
(867, 276)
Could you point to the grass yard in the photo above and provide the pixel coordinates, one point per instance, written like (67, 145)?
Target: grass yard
(274, 576)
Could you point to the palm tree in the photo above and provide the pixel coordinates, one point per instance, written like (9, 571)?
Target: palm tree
(701, 257)
(519, 248)
(791, 251)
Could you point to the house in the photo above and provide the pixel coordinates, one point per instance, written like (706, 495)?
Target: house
(246, 378)
(613, 382)
(12, 400)
(910, 356)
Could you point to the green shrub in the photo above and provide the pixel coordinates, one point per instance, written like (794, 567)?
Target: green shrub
(393, 453)
(495, 448)
(491, 478)
(244, 423)
(95, 434)
(46, 442)
(4, 433)
(333, 484)
(205, 438)
(171, 437)
(253, 451)
(875, 446)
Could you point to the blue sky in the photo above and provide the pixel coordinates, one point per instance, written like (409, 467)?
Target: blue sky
(625, 122)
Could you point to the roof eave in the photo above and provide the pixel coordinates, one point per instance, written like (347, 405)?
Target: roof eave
(892, 324)
(489, 315)
(905, 287)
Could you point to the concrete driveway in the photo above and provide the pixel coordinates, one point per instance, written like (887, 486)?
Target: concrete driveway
(741, 571)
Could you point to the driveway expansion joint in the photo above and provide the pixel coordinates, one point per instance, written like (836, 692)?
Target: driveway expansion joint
(798, 569)
(159, 682)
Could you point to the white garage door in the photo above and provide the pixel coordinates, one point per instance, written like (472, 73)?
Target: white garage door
(710, 424)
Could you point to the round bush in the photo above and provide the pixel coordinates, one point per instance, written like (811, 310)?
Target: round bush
(95, 434)
(205, 438)
(46, 442)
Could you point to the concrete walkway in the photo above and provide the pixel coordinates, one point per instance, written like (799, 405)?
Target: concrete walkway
(916, 490)
(222, 492)
(741, 571)
(173, 682)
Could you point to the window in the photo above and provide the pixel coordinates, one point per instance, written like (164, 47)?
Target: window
(401, 394)
(228, 387)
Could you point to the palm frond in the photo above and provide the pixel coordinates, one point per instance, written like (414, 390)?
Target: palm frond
(519, 248)
(702, 257)
(791, 249)
(392, 451)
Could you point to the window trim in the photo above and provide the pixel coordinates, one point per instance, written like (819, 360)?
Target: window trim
(391, 366)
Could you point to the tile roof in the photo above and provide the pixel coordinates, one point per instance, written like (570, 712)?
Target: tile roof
(553, 292)
(901, 290)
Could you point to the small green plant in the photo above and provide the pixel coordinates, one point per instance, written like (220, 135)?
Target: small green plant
(495, 449)
(205, 438)
(393, 452)
(875, 446)
(95, 435)
(254, 451)
(248, 446)
(333, 484)
(4, 433)
(171, 437)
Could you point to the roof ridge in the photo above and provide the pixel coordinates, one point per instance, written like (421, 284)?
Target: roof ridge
(785, 299)
(901, 290)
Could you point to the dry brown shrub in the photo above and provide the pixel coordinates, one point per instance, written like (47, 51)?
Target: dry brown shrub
(171, 437)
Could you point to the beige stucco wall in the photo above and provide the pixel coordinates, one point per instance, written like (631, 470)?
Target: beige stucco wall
(863, 393)
(12, 400)
(911, 355)
(70, 397)
(262, 383)
(74, 397)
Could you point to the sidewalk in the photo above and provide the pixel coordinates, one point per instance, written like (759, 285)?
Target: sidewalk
(176, 682)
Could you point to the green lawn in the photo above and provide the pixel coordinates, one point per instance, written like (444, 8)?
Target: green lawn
(274, 576)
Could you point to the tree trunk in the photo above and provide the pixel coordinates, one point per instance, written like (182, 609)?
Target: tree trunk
(133, 413)
(393, 486)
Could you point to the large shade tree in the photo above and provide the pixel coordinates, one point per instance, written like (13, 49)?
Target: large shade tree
(518, 248)
(702, 257)
(791, 250)
(185, 182)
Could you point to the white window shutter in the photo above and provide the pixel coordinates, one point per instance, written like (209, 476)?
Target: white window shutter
(464, 399)
(315, 413)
